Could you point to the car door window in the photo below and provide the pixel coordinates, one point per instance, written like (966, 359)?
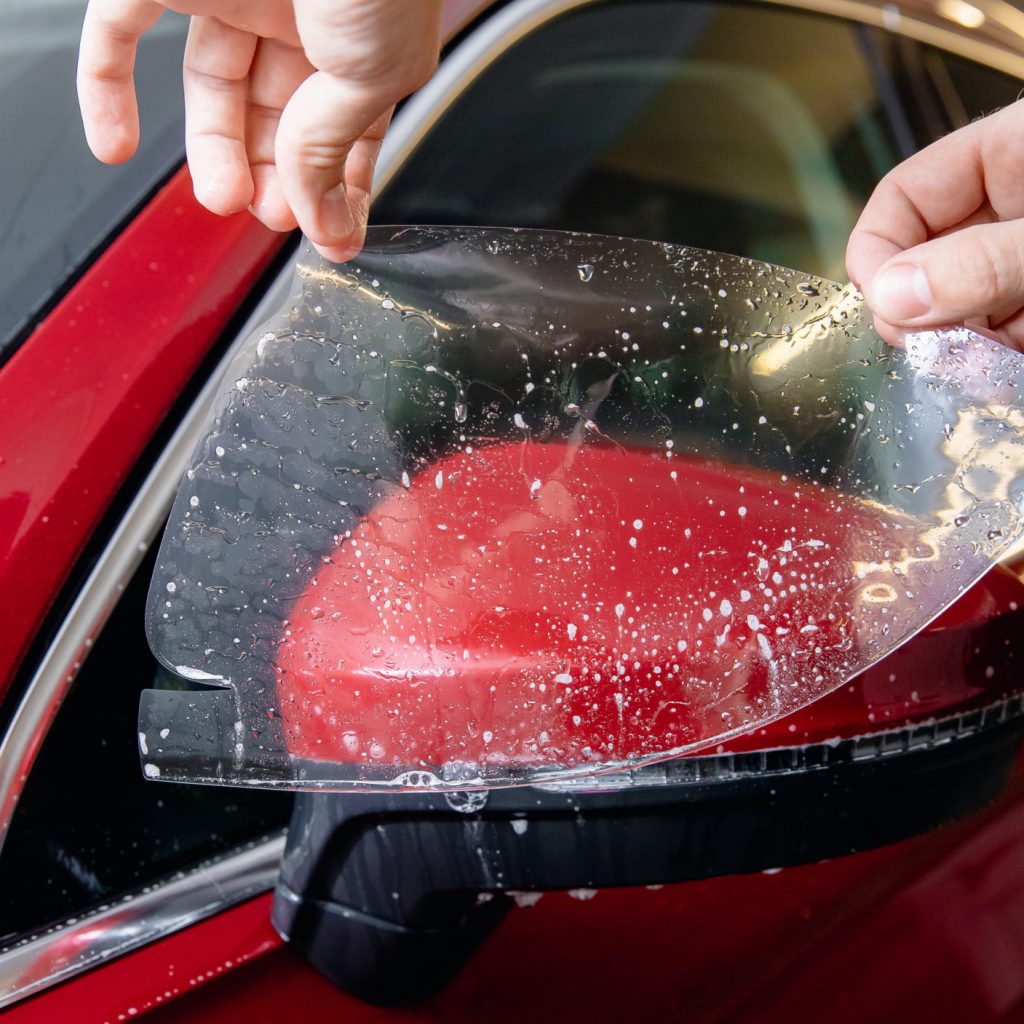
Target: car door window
(969, 90)
(59, 202)
(745, 128)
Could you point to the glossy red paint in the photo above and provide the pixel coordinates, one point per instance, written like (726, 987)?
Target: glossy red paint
(155, 974)
(970, 656)
(83, 395)
(438, 631)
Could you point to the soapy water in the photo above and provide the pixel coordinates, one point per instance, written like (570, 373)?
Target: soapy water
(488, 507)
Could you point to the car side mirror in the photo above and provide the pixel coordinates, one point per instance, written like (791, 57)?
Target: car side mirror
(388, 895)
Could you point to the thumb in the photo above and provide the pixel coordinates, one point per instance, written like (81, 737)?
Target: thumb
(975, 272)
(323, 120)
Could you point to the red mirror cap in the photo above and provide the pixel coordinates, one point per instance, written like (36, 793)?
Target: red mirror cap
(439, 632)
(970, 656)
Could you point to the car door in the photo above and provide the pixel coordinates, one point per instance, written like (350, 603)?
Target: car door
(751, 128)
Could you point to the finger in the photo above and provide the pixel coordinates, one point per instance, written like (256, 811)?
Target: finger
(1011, 331)
(890, 335)
(359, 168)
(922, 197)
(368, 56)
(106, 66)
(277, 71)
(215, 77)
(971, 273)
(268, 203)
(985, 214)
(318, 128)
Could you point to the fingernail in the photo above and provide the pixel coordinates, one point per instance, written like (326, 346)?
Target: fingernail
(335, 215)
(901, 293)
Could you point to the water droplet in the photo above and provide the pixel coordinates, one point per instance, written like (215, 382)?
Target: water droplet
(467, 802)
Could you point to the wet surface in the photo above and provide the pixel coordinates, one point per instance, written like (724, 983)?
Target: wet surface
(488, 506)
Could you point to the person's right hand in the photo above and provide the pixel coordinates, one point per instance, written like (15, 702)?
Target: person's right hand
(941, 240)
(286, 101)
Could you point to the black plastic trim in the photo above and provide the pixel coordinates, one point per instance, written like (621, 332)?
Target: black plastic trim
(388, 896)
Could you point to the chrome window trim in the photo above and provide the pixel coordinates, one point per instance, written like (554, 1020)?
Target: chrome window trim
(136, 920)
(189, 896)
(164, 908)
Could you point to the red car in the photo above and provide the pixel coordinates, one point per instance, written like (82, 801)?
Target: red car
(753, 128)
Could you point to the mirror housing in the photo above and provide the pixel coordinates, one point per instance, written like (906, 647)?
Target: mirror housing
(389, 894)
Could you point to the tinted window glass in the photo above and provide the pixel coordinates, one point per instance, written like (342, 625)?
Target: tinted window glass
(970, 90)
(88, 827)
(751, 129)
(60, 203)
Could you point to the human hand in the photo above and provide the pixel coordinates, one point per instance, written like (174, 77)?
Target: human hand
(941, 240)
(286, 101)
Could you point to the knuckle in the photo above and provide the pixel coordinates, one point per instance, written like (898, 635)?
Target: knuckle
(323, 156)
(391, 77)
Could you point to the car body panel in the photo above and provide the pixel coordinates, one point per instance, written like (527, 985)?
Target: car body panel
(160, 971)
(928, 929)
(83, 395)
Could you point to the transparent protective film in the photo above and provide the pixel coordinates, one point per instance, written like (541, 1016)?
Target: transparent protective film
(488, 507)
